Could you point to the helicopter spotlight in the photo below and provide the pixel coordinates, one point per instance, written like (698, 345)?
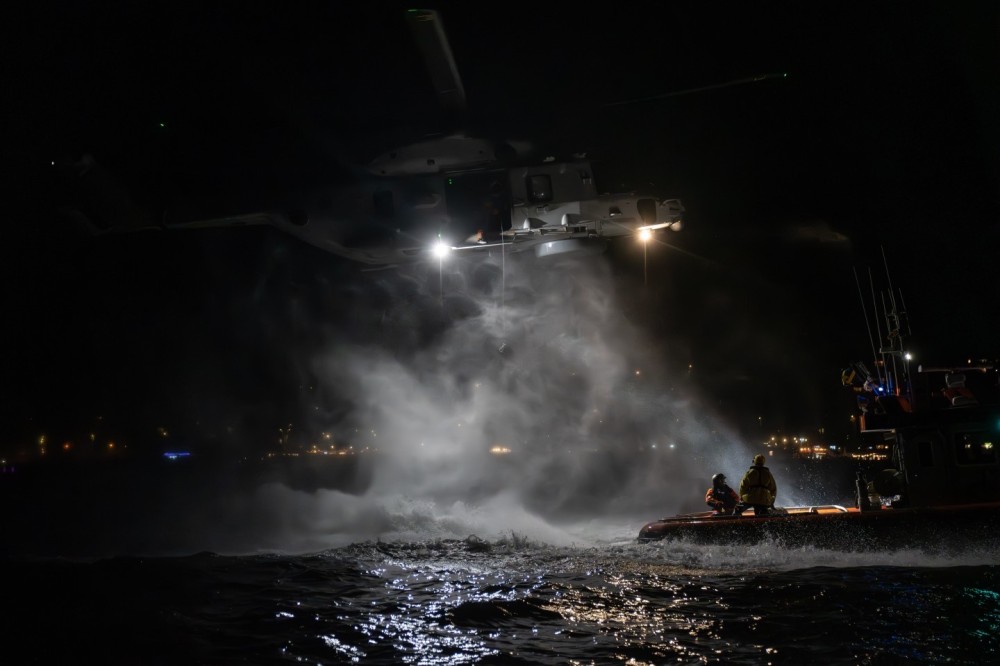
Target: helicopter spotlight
(440, 250)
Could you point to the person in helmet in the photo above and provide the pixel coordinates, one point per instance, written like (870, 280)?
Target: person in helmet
(758, 489)
(721, 497)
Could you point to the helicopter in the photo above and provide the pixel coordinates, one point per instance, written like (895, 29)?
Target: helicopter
(452, 192)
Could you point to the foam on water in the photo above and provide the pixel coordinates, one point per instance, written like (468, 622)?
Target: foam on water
(333, 520)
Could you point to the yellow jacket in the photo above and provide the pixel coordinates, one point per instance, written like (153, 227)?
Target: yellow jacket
(758, 486)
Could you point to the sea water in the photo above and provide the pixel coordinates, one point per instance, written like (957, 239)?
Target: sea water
(508, 600)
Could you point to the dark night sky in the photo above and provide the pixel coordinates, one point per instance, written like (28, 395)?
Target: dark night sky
(883, 135)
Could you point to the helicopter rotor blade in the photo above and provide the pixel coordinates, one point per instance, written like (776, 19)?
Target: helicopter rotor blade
(432, 42)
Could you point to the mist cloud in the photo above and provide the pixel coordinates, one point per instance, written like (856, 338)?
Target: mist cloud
(539, 359)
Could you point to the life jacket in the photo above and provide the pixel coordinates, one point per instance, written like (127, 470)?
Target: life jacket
(722, 497)
(758, 486)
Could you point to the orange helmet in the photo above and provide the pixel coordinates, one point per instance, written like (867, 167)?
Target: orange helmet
(758, 459)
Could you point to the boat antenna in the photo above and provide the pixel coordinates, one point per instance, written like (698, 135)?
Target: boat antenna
(885, 262)
(892, 337)
(898, 316)
(906, 318)
(895, 320)
(878, 327)
(868, 325)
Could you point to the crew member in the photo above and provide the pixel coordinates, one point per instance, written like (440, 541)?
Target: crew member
(721, 497)
(758, 489)
(864, 501)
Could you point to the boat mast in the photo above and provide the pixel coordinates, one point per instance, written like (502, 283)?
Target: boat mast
(880, 355)
(893, 352)
(868, 326)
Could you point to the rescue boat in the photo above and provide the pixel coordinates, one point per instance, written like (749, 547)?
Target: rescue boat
(836, 527)
(942, 426)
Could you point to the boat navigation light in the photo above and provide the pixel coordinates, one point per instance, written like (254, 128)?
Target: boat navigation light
(908, 356)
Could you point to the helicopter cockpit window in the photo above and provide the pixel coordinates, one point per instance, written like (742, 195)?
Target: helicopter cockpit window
(383, 204)
(975, 448)
(539, 188)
